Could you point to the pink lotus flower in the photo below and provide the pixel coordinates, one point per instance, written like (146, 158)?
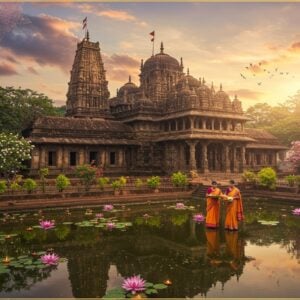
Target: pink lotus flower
(47, 224)
(99, 216)
(110, 225)
(108, 207)
(198, 218)
(50, 259)
(134, 284)
(296, 212)
(180, 206)
(146, 216)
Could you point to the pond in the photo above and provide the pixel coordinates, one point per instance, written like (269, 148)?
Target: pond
(157, 242)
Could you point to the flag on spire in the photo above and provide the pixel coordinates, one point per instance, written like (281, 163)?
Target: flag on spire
(84, 23)
(152, 35)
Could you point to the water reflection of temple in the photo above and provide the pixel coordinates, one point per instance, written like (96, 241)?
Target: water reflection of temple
(193, 269)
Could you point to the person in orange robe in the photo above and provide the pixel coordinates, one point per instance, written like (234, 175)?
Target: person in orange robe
(213, 206)
(234, 209)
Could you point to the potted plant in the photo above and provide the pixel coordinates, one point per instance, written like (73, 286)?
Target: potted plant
(102, 181)
(116, 185)
(29, 185)
(62, 182)
(154, 182)
(87, 175)
(43, 172)
(179, 179)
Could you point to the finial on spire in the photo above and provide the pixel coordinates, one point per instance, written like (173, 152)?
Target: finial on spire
(203, 81)
(161, 47)
(221, 87)
(87, 35)
(212, 85)
(181, 62)
(142, 63)
(188, 71)
(129, 79)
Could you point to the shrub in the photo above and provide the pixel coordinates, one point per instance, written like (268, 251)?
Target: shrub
(14, 186)
(116, 185)
(267, 178)
(249, 177)
(153, 182)
(297, 180)
(43, 172)
(3, 186)
(139, 183)
(291, 180)
(102, 181)
(29, 185)
(179, 179)
(87, 175)
(123, 181)
(62, 182)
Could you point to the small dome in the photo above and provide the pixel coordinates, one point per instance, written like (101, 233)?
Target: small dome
(128, 87)
(161, 60)
(221, 95)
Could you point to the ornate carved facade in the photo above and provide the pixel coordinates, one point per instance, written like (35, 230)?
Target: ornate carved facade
(170, 121)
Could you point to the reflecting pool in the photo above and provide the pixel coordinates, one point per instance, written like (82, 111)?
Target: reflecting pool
(98, 249)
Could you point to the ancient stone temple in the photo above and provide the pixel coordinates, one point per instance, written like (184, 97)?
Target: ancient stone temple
(169, 121)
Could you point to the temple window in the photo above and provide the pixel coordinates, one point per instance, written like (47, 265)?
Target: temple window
(51, 158)
(112, 158)
(73, 158)
(93, 156)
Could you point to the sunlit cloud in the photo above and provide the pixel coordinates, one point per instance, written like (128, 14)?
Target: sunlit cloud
(7, 70)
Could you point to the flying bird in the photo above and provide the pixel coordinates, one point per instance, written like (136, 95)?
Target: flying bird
(259, 83)
(242, 76)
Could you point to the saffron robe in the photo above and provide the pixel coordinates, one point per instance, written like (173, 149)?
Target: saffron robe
(234, 209)
(213, 208)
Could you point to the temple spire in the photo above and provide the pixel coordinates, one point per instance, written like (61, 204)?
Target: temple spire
(161, 47)
(181, 62)
(87, 35)
(221, 87)
(142, 63)
(188, 71)
(129, 80)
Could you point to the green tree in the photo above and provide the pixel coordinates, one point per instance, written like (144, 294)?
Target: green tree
(29, 185)
(43, 172)
(179, 179)
(153, 182)
(87, 175)
(62, 182)
(14, 151)
(20, 107)
(267, 177)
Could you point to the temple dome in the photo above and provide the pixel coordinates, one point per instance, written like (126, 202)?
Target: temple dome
(161, 60)
(128, 87)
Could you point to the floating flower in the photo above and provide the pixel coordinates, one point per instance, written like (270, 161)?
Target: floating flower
(50, 259)
(99, 216)
(108, 207)
(296, 212)
(110, 225)
(146, 216)
(47, 224)
(198, 218)
(180, 206)
(134, 284)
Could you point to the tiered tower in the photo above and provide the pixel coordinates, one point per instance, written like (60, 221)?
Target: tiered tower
(88, 92)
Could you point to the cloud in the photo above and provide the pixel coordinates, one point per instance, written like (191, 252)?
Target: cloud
(119, 66)
(295, 47)
(246, 93)
(32, 70)
(7, 70)
(46, 40)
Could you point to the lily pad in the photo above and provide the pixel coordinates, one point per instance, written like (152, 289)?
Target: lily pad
(160, 286)
(151, 291)
(67, 223)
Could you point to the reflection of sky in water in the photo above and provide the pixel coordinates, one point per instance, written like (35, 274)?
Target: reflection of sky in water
(57, 285)
(273, 273)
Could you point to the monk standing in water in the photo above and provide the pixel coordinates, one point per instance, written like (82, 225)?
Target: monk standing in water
(213, 206)
(234, 208)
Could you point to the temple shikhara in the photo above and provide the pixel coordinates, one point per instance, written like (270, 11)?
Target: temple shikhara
(170, 121)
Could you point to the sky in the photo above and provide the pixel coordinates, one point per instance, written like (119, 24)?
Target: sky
(253, 49)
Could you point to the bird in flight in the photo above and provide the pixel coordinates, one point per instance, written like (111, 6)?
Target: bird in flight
(243, 76)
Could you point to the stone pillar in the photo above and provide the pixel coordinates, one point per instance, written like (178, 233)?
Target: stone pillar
(59, 157)
(183, 124)
(203, 123)
(81, 157)
(35, 158)
(213, 124)
(65, 158)
(243, 157)
(204, 157)
(169, 126)
(43, 157)
(192, 162)
(121, 158)
(228, 125)
(192, 122)
(235, 162)
(226, 157)
(102, 157)
(176, 125)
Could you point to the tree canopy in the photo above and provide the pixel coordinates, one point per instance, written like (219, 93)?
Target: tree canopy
(282, 120)
(20, 107)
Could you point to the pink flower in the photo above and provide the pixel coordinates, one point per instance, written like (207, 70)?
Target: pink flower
(180, 206)
(146, 216)
(50, 259)
(108, 207)
(47, 224)
(110, 225)
(99, 216)
(134, 284)
(296, 211)
(198, 218)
